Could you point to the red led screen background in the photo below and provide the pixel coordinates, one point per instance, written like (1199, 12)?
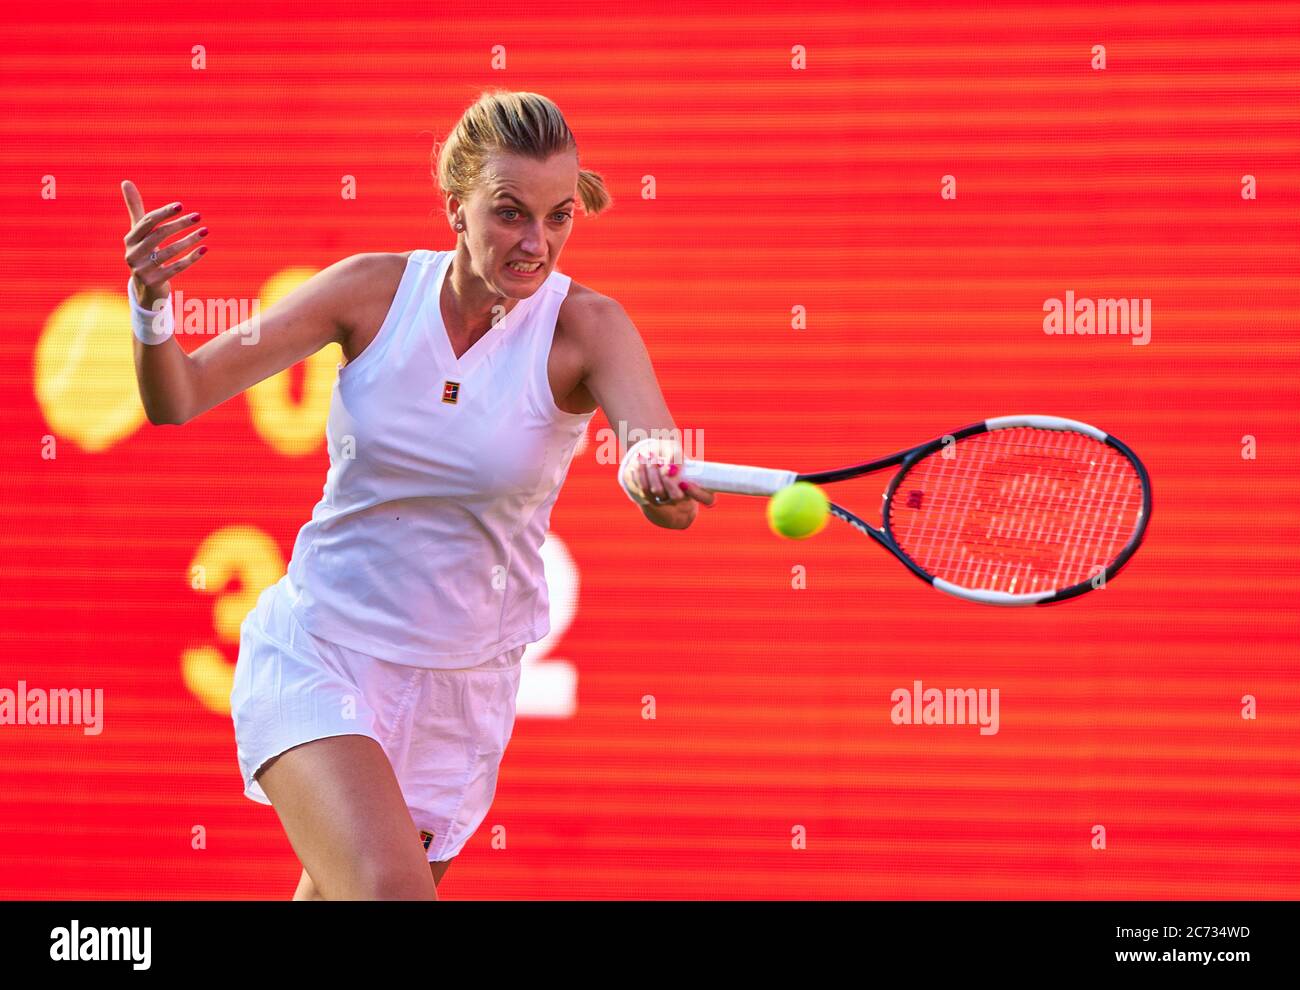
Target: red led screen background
(836, 229)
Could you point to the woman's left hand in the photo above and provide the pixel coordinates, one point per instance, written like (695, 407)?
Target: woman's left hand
(662, 487)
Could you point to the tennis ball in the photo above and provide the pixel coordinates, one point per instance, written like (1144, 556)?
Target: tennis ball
(798, 511)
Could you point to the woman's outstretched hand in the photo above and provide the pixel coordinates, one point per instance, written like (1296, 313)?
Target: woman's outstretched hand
(150, 274)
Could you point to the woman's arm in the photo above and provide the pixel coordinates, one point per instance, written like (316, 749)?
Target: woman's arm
(176, 386)
(620, 376)
(314, 314)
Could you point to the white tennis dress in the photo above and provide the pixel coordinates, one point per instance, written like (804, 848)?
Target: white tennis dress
(418, 583)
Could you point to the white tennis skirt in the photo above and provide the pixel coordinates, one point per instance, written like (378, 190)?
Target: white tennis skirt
(444, 731)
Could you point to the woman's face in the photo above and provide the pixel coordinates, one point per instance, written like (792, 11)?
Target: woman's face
(522, 211)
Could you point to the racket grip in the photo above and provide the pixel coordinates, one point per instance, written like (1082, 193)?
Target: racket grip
(737, 479)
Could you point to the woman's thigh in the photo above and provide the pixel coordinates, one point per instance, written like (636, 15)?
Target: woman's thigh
(344, 814)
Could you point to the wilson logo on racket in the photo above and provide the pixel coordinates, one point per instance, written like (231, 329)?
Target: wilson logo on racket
(1017, 510)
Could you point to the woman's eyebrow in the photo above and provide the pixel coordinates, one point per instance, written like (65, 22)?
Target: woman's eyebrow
(525, 205)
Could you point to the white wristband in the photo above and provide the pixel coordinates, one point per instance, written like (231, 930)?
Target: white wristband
(150, 327)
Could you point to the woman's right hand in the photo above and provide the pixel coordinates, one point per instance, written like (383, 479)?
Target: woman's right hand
(151, 277)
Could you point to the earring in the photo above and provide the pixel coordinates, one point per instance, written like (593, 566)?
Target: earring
(460, 226)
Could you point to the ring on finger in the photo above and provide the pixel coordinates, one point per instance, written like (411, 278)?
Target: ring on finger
(153, 256)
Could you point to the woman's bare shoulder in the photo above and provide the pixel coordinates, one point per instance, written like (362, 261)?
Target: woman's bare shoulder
(371, 272)
(579, 293)
(372, 281)
(583, 308)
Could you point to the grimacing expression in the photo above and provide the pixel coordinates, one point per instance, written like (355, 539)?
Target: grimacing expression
(521, 211)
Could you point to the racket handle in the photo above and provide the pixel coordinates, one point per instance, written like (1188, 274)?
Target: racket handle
(737, 479)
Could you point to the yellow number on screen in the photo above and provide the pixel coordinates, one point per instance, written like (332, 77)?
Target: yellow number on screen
(252, 556)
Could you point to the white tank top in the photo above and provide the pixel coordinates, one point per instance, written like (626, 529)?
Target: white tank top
(424, 548)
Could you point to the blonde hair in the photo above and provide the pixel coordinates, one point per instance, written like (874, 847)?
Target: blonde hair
(526, 124)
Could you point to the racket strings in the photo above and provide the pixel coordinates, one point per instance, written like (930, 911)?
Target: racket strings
(984, 559)
(1017, 510)
(1025, 514)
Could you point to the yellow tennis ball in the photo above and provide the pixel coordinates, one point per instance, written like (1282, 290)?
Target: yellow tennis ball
(798, 511)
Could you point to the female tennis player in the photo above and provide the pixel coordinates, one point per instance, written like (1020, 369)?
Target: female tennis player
(375, 689)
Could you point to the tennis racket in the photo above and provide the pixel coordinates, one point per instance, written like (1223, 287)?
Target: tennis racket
(1018, 510)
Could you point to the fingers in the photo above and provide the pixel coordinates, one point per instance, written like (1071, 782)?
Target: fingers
(180, 266)
(150, 271)
(141, 251)
(134, 205)
(663, 486)
(699, 494)
(164, 231)
(141, 228)
(643, 480)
